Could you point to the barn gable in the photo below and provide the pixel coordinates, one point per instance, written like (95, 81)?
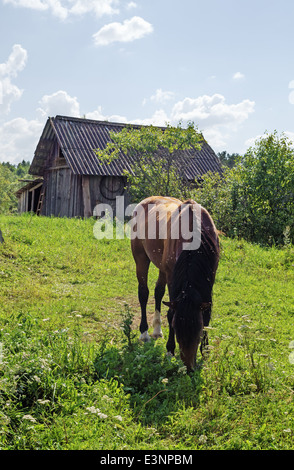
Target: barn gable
(74, 179)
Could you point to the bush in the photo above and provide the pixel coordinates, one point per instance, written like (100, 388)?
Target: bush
(255, 199)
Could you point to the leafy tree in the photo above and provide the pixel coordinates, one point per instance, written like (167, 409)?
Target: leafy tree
(22, 169)
(267, 188)
(156, 156)
(9, 184)
(227, 159)
(255, 198)
(6, 194)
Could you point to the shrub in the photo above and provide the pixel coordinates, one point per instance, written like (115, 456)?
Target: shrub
(255, 199)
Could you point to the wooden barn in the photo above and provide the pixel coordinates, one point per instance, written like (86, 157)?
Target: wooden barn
(69, 179)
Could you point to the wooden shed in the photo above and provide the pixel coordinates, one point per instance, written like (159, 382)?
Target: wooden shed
(69, 179)
(29, 195)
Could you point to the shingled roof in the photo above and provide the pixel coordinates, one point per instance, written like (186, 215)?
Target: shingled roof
(78, 138)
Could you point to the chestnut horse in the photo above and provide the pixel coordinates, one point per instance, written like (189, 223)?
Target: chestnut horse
(188, 269)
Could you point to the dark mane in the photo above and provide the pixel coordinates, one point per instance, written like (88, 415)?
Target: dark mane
(192, 283)
(197, 268)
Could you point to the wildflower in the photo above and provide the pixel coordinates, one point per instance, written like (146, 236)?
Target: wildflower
(202, 439)
(4, 419)
(29, 418)
(43, 402)
(93, 410)
(102, 415)
(164, 381)
(106, 398)
(118, 417)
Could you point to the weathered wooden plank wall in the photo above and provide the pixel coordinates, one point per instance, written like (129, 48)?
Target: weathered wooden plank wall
(105, 189)
(23, 202)
(63, 194)
(70, 195)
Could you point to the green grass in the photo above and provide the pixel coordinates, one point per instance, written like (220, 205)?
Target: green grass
(73, 375)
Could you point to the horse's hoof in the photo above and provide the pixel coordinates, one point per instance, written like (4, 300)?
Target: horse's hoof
(145, 337)
(157, 335)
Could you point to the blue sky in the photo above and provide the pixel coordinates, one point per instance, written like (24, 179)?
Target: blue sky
(226, 65)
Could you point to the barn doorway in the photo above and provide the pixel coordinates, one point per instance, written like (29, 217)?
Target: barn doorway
(34, 197)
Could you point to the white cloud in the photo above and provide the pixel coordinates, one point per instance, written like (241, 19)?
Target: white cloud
(212, 111)
(98, 115)
(61, 103)
(291, 94)
(9, 70)
(238, 76)
(216, 138)
(57, 9)
(8, 94)
(99, 7)
(15, 63)
(161, 96)
(290, 136)
(64, 8)
(159, 118)
(129, 30)
(18, 139)
(33, 4)
(131, 5)
(214, 116)
(253, 140)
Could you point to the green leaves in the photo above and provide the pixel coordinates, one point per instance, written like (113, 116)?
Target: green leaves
(9, 175)
(156, 154)
(255, 199)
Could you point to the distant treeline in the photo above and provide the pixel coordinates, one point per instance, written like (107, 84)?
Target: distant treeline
(9, 183)
(228, 159)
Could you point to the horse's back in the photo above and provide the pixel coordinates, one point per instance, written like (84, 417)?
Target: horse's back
(160, 203)
(150, 217)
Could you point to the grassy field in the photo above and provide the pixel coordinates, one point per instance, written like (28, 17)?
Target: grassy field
(73, 374)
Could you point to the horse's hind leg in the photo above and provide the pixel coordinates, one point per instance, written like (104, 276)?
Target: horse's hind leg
(159, 293)
(142, 266)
